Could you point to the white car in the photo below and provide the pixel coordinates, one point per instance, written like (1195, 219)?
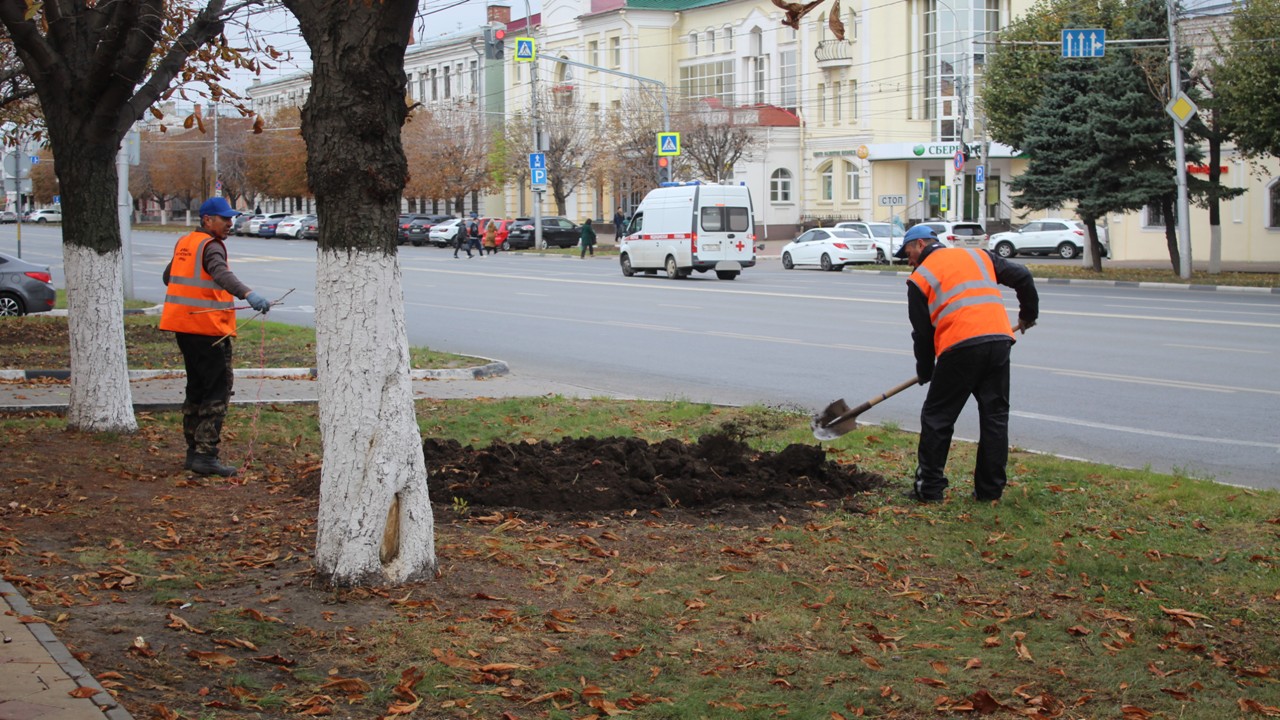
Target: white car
(291, 226)
(442, 232)
(829, 249)
(44, 216)
(887, 240)
(959, 234)
(1065, 238)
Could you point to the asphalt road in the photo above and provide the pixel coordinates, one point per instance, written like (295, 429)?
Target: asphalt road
(1175, 380)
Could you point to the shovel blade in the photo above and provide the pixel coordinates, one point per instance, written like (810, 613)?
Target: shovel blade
(825, 425)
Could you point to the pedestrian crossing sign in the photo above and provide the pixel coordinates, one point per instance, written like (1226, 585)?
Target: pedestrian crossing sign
(668, 143)
(526, 49)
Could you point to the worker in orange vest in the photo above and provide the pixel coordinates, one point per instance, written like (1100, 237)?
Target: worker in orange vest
(962, 340)
(198, 281)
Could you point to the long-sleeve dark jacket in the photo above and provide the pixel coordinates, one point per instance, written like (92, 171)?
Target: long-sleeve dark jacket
(215, 263)
(1009, 274)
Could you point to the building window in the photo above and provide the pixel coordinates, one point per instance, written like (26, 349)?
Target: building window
(475, 78)
(780, 185)
(787, 79)
(1153, 216)
(851, 189)
(851, 26)
(615, 51)
(708, 80)
(788, 34)
(727, 33)
(693, 43)
(953, 61)
(422, 86)
(822, 104)
(837, 104)
(758, 80)
(827, 181)
(593, 52)
(853, 99)
(711, 42)
(1273, 205)
(447, 91)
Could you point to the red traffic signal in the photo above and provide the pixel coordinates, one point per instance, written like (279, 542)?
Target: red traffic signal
(499, 34)
(662, 162)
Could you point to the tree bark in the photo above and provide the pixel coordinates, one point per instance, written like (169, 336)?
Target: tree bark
(101, 399)
(375, 522)
(1094, 256)
(1171, 232)
(1215, 212)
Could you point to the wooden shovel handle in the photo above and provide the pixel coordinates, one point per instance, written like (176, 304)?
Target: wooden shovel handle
(875, 401)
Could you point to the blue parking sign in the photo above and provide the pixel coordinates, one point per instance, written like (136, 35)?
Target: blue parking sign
(981, 173)
(538, 176)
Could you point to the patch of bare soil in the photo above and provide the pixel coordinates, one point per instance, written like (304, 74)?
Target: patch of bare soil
(194, 597)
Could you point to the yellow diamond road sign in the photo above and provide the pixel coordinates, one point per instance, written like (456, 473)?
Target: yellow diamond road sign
(668, 143)
(1182, 109)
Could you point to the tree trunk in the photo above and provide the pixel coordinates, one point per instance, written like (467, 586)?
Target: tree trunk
(1094, 254)
(1171, 233)
(562, 196)
(101, 399)
(375, 522)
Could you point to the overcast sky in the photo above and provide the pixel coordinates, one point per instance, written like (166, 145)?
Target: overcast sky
(279, 29)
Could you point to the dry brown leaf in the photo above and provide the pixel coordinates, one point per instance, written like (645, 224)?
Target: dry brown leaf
(211, 658)
(84, 692)
(871, 662)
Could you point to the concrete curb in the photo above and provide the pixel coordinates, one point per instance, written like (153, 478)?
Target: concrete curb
(62, 656)
(493, 368)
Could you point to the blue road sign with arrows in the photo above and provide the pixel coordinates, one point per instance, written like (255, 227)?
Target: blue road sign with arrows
(537, 161)
(539, 176)
(1086, 43)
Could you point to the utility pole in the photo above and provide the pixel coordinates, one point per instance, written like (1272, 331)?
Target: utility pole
(537, 145)
(217, 179)
(1179, 149)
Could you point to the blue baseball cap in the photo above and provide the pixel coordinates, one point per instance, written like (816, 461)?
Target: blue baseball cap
(217, 206)
(919, 232)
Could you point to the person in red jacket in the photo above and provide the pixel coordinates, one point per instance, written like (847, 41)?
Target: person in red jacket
(962, 338)
(198, 280)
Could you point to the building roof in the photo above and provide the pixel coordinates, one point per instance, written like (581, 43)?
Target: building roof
(672, 5)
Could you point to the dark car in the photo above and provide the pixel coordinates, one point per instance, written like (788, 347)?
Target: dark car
(240, 226)
(417, 230)
(24, 287)
(310, 229)
(267, 228)
(556, 232)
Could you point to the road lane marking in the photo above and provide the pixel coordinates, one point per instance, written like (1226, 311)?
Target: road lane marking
(1140, 431)
(1141, 380)
(708, 287)
(1218, 348)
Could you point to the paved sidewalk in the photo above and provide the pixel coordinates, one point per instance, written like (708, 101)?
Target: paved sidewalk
(37, 673)
(39, 680)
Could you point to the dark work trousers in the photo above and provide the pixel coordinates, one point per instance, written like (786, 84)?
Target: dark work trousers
(209, 381)
(981, 371)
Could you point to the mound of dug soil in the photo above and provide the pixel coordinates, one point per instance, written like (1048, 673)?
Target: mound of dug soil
(616, 473)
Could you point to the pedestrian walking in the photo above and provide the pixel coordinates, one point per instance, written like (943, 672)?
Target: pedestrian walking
(198, 279)
(473, 236)
(491, 236)
(962, 338)
(619, 224)
(586, 239)
(460, 237)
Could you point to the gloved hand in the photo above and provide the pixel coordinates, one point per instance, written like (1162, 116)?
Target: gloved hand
(257, 302)
(1025, 325)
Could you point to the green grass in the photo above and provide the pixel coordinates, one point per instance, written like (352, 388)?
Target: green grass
(41, 342)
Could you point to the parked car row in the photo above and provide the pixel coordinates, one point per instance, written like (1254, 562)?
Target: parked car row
(47, 215)
(1065, 238)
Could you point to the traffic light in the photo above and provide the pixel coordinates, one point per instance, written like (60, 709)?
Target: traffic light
(495, 47)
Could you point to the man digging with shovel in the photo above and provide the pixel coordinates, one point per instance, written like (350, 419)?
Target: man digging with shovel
(962, 338)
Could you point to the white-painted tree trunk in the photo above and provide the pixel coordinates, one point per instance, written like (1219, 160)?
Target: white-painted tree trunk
(374, 474)
(101, 399)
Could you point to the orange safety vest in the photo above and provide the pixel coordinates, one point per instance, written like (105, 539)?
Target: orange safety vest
(192, 289)
(964, 299)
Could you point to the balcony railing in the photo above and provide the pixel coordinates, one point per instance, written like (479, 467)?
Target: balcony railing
(834, 53)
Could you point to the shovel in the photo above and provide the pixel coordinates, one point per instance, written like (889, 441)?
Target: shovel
(837, 419)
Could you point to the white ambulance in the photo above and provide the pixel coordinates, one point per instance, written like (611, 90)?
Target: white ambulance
(684, 227)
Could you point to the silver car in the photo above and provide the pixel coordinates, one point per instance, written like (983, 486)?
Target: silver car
(24, 287)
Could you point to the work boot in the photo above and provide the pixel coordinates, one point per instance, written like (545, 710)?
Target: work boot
(191, 455)
(210, 465)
